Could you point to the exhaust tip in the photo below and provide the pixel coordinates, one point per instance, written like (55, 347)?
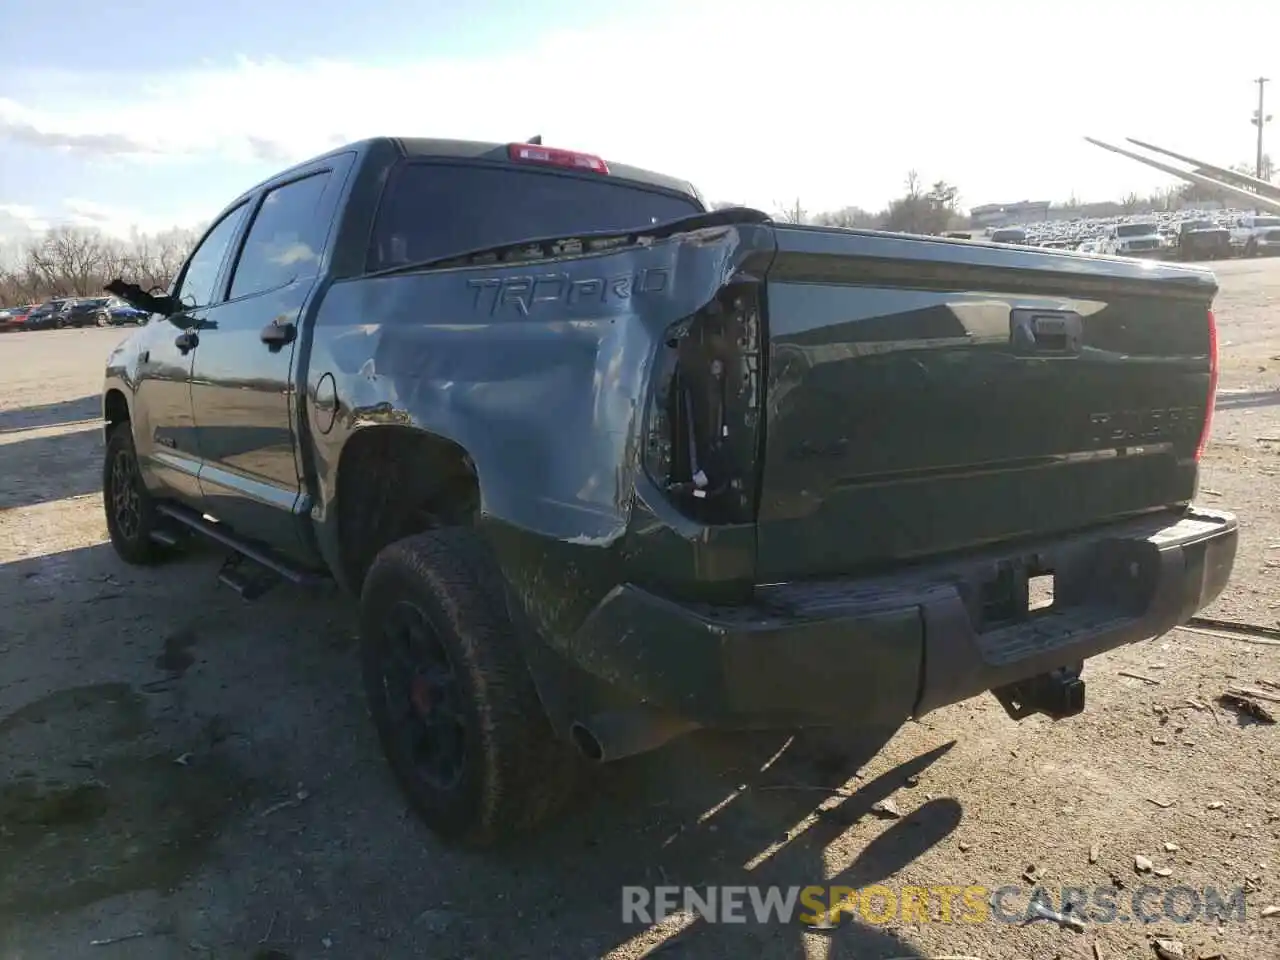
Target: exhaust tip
(586, 742)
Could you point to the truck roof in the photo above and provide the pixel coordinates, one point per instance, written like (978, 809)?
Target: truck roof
(429, 148)
(474, 149)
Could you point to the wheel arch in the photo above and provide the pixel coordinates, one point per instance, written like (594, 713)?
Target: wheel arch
(115, 406)
(393, 481)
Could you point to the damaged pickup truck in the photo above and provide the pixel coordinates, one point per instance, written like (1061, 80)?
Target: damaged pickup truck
(603, 467)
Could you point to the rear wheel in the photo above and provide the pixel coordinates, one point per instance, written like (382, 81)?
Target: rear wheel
(103, 320)
(130, 511)
(452, 700)
(1251, 248)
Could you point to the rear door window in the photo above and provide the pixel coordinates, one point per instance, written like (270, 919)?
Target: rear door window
(432, 210)
(285, 240)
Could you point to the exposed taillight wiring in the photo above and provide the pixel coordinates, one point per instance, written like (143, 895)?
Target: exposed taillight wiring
(702, 422)
(1211, 400)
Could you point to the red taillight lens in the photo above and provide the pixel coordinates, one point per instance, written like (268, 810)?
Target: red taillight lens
(1211, 400)
(536, 153)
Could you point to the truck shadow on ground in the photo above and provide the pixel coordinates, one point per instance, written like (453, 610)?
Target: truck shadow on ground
(51, 414)
(776, 828)
(178, 762)
(1247, 399)
(44, 468)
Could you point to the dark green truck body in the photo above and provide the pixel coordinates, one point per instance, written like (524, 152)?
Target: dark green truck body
(734, 472)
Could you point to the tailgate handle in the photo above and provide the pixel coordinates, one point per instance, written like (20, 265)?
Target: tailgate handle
(1045, 332)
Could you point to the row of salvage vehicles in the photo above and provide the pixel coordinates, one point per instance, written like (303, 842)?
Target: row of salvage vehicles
(1197, 239)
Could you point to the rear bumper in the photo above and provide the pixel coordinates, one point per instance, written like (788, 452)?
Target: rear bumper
(881, 650)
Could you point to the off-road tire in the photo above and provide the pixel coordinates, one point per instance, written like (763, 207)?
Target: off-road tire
(130, 511)
(514, 771)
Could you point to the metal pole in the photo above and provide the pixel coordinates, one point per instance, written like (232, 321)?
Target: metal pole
(1260, 118)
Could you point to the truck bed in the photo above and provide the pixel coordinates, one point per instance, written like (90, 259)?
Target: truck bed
(928, 396)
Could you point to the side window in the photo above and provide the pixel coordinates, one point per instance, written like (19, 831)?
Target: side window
(196, 288)
(285, 240)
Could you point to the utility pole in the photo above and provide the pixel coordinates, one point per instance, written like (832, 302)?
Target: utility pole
(1259, 120)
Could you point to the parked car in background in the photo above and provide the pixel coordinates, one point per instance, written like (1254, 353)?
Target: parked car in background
(51, 313)
(89, 312)
(14, 318)
(1140, 239)
(1009, 235)
(1202, 240)
(1256, 235)
(121, 313)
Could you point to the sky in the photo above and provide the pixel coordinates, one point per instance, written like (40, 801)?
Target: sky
(156, 114)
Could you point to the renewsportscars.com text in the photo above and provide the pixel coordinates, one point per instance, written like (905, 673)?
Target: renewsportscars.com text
(943, 903)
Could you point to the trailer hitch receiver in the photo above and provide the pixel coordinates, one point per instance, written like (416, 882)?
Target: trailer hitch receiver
(1057, 694)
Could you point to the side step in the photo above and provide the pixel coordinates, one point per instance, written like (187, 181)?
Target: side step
(246, 577)
(238, 570)
(166, 538)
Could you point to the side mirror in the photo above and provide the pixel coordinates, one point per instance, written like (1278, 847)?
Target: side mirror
(134, 295)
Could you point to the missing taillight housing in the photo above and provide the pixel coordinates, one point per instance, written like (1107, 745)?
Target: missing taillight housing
(703, 420)
(1211, 400)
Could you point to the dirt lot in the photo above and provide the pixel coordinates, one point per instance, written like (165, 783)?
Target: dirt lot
(197, 774)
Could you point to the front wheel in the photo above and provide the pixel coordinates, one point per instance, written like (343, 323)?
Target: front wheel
(103, 320)
(130, 511)
(455, 708)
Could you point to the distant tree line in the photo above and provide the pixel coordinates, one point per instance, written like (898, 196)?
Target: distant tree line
(920, 209)
(77, 262)
(935, 209)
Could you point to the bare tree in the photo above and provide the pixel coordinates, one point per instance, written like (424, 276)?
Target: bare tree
(794, 213)
(849, 217)
(929, 212)
(67, 261)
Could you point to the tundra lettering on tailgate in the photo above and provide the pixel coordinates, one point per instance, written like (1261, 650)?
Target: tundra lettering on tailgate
(1119, 427)
(524, 293)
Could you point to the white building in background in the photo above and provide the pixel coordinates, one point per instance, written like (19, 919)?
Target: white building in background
(1003, 214)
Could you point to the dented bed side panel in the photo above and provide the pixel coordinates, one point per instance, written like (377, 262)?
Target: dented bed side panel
(539, 372)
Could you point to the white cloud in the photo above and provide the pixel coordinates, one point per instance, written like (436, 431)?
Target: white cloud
(22, 222)
(18, 221)
(119, 221)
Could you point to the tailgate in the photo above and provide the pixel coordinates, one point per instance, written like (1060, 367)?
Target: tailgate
(927, 396)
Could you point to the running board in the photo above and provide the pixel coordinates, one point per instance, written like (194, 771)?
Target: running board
(166, 538)
(247, 578)
(262, 556)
